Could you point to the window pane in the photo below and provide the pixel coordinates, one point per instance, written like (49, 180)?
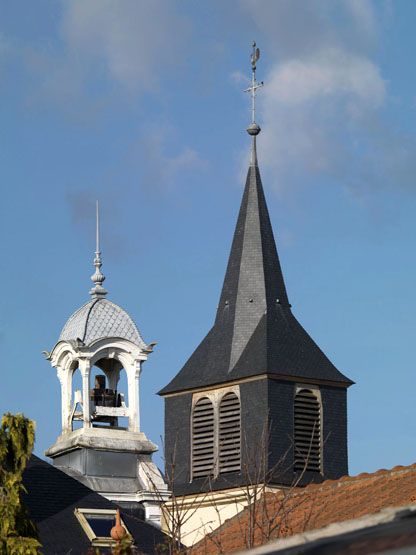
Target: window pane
(101, 524)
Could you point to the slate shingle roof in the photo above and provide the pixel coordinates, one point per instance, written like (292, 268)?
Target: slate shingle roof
(255, 331)
(51, 499)
(100, 318)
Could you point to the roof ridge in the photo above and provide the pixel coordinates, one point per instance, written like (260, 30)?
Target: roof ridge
(94, 302)
(363, 476)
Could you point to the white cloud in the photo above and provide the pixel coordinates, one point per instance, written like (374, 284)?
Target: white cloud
(120, 50)
(295, 28)
(107, 46)
(162, 166)
(327, 73)
(131, 42)
(323, 107)
(238, 77)
(311, 106)
(363, 15)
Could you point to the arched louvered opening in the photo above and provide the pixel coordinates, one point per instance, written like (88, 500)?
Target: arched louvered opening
(229, 434)
(203, 438)
(307, 432)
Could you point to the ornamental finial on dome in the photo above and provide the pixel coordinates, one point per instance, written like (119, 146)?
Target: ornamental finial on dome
(254, 129)
(97, 278)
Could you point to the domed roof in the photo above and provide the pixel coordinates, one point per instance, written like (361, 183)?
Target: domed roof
(98, 319)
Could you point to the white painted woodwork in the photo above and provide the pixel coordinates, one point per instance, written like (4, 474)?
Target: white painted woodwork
(68, 357)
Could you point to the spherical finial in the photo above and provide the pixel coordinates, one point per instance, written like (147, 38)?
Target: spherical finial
(253, 129)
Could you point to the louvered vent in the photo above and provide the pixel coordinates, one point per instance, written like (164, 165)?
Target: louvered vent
(307, 432)
(229, 434)
(203, 438)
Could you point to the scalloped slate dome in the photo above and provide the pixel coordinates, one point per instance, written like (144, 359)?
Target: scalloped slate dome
(98, 319)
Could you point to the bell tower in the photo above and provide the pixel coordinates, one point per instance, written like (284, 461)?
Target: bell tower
(257, 402)
(101, 443)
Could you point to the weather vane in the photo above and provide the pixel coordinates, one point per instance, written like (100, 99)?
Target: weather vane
(255, 55)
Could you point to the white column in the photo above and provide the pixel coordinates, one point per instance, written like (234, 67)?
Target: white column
(133, 374)
(85, 368)
(65, 379)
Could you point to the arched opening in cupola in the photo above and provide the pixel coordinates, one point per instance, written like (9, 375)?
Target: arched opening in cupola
(100, 399)
(109, 394)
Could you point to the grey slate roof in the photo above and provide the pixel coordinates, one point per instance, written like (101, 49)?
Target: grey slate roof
(255, 331)
(100, 318)
(51, 499)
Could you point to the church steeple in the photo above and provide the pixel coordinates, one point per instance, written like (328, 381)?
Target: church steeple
(255, 331)
(257, 374)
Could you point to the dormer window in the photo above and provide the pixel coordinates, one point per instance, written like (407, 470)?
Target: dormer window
(97, 525)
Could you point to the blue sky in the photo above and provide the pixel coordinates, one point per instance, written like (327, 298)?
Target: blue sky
(140, 104)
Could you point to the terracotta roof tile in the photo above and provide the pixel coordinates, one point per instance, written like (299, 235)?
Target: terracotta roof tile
(315, 506)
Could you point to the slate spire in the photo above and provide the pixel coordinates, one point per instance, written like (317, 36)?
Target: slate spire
(255, 331)
(253, 281)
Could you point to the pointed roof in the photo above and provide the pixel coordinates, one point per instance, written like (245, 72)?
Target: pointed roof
(255, 331)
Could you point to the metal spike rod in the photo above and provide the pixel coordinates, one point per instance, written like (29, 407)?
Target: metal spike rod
(97, 227)
(98, 277)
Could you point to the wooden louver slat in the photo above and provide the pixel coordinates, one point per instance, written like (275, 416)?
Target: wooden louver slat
(307, 440)
(203, 438)
(229, 434)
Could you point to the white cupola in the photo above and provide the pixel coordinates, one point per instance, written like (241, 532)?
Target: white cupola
(99, 334)
(101, 443)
